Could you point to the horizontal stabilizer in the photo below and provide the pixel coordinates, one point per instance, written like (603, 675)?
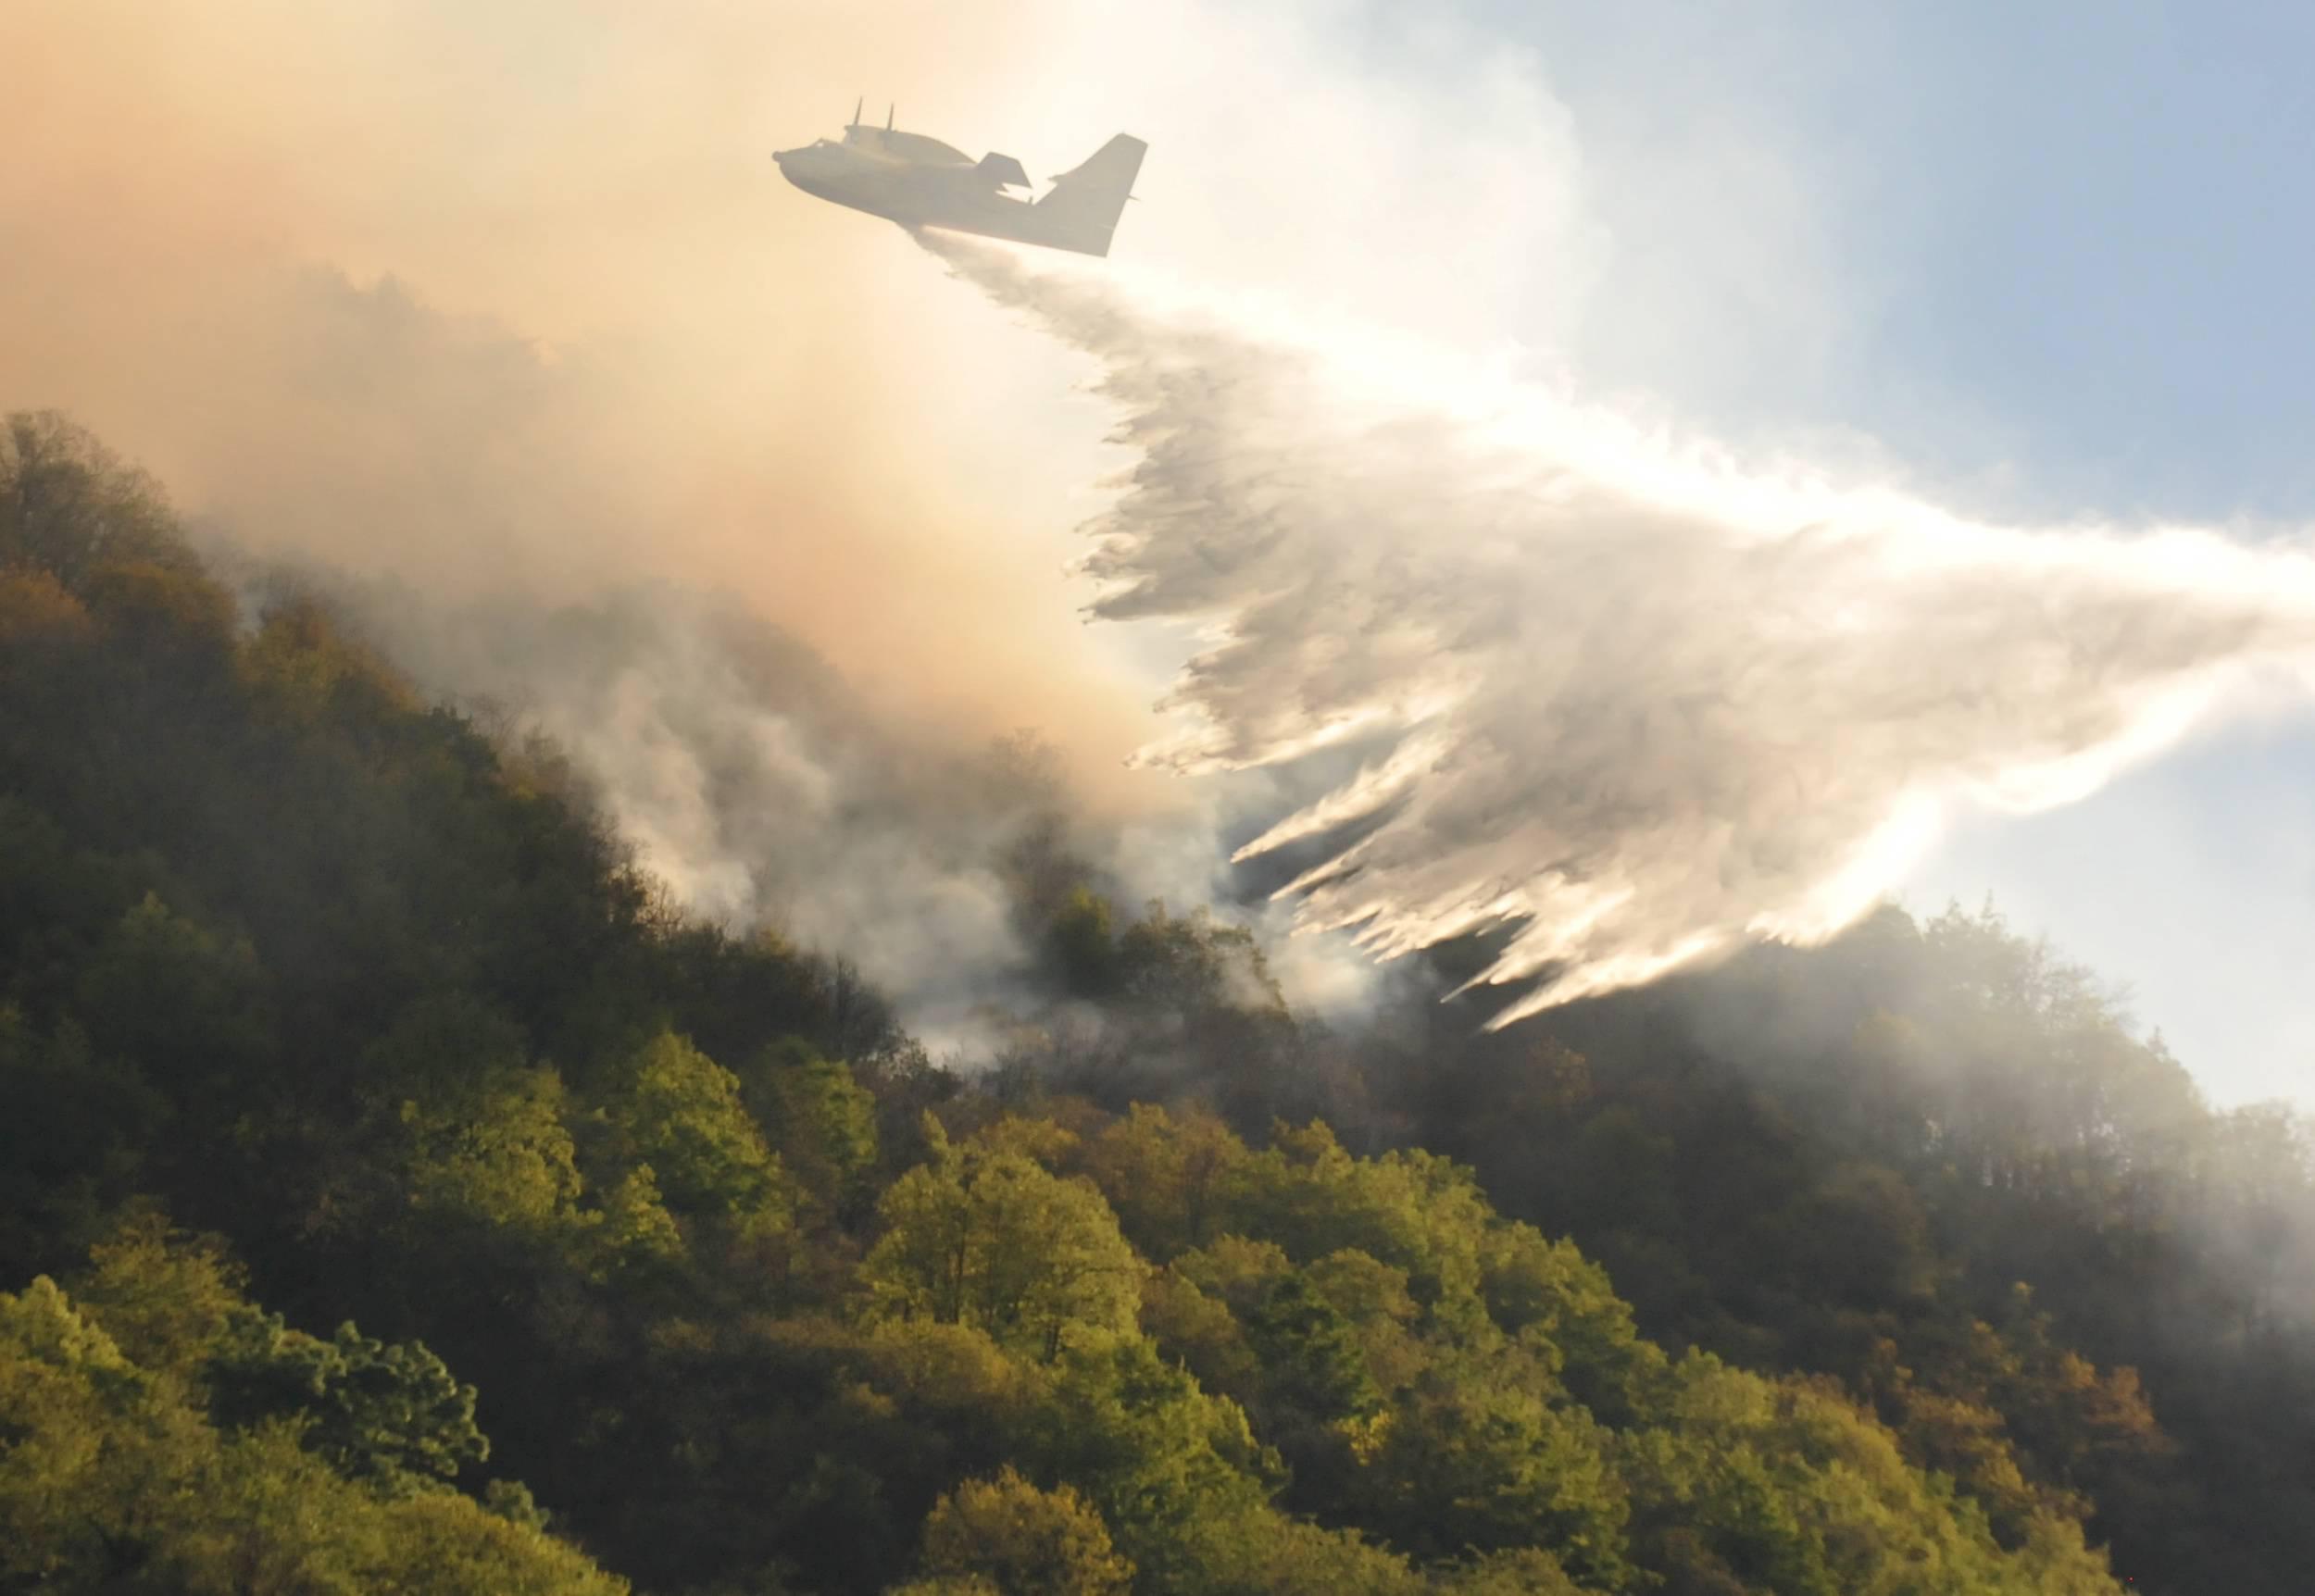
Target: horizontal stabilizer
(1008, 171)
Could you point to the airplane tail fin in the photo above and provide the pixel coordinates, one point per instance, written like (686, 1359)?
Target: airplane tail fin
(1082, 212)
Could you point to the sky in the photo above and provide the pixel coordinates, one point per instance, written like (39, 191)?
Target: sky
(510, 296)
(2058, 258)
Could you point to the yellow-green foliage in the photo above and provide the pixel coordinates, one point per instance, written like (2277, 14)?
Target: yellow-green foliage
(380, 999)
(680, 1112)
(1025, 1542)
(822, 1121)
(1165, 1173)
(497, 1154)
(996, 1242)
(112, 1479)
(1786, 1485)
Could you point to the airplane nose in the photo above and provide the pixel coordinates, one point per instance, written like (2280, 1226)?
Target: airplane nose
(795, 168)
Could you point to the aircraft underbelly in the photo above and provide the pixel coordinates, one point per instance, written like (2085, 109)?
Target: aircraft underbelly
(921, 199)
(996, 217)
(949, 205)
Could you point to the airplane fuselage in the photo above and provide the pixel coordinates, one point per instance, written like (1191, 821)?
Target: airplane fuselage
(919, 182)
(912, 194)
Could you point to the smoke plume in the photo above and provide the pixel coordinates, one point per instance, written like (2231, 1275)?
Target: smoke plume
(510, 301)
(1635, 701)
(765, 790)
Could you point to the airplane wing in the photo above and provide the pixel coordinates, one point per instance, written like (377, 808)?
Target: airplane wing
(1008, 171)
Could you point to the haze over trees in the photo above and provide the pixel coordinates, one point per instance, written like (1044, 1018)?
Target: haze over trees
(397, 1192)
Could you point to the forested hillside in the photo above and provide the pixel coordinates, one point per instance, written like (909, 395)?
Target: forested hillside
(398, 1192)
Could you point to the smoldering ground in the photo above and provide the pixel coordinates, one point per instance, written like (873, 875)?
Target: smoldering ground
(1640, 703)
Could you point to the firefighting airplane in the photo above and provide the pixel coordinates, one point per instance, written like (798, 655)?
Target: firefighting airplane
(920, 181)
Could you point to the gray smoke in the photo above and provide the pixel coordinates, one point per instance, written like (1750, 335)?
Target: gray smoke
(1635, 701)
(751, 780)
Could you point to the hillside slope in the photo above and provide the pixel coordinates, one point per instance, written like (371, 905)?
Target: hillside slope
(398, 1192)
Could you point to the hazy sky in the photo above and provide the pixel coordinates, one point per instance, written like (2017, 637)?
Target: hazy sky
(511, 294)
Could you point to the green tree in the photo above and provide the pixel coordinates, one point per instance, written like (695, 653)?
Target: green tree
(822, 1121)
(1161, 1460)
(1263, 1552)
(112, 1480)
(1547, 1290)
(1786, 1486)
(1522, 1571)
(74, 1139)
(996, 1242)
(1472, 1464)
(496, 1155)
(1412, 1210)
(678, 1111)
(634, 1235)
(182, 1002)
(1081, 940)
(392, 1417)
(69, 506)
(1312, 1361)
(166, 1298)
(1024, 1540)
(1165, 1173)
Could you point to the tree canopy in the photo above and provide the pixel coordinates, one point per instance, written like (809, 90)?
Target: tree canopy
(397, 1193)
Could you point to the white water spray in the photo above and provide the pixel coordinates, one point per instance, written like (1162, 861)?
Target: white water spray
(1641, 701)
